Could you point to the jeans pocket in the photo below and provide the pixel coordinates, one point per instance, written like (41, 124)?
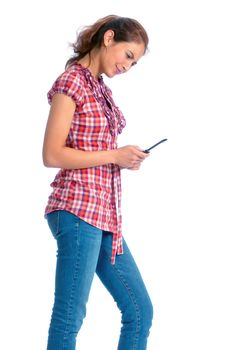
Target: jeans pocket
(53, 222)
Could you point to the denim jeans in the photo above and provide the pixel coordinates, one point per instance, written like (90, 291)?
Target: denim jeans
(83, 250)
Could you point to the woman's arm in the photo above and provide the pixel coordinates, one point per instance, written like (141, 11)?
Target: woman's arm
(57, 155)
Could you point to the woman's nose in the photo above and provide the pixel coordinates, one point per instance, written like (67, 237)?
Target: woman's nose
(126, 67)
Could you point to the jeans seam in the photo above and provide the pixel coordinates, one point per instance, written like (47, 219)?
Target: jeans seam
(58, 222)
(69, 312)
(130, 293)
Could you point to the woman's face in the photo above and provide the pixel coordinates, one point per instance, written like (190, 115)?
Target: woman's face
(117, 58)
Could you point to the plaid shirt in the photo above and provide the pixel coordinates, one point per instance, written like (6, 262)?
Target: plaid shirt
(93, 194)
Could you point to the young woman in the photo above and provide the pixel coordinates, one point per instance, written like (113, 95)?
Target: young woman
(83, 210)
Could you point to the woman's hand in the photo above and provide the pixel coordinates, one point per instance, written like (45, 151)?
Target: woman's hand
(130, 157)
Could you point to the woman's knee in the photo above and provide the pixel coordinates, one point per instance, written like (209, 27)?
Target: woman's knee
(146, 315)
(138, 314)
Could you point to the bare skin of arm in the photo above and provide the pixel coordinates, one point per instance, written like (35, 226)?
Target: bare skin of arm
(57, 155)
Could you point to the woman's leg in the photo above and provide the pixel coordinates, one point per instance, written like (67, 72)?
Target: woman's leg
(124, 282)
(78, 250)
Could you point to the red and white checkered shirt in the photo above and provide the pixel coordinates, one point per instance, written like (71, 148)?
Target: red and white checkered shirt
(93, 194)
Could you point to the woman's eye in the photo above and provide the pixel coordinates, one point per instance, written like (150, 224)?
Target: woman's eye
(130, 56)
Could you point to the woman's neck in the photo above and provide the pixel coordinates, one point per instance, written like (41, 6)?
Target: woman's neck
(91, 61)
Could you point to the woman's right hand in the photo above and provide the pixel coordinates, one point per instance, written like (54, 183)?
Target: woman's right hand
(129, 157)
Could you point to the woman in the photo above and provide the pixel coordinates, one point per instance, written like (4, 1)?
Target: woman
(83, 210)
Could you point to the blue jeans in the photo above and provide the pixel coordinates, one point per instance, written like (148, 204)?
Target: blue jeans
(83, 250)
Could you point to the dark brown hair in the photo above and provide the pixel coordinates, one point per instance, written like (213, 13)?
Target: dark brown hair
(124, 28)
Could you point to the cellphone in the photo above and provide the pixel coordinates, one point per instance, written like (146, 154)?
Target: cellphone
(156, 144)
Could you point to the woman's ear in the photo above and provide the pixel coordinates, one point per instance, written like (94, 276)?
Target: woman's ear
(108, 37)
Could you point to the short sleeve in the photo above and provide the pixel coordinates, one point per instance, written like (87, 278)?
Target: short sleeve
(68, 83)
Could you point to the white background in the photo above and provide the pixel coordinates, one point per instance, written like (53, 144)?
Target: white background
(177, 208)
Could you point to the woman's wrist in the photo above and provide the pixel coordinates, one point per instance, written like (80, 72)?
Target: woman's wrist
(113, 156)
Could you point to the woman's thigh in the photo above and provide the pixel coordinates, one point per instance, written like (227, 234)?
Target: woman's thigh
(124, 282)
(78, 246)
